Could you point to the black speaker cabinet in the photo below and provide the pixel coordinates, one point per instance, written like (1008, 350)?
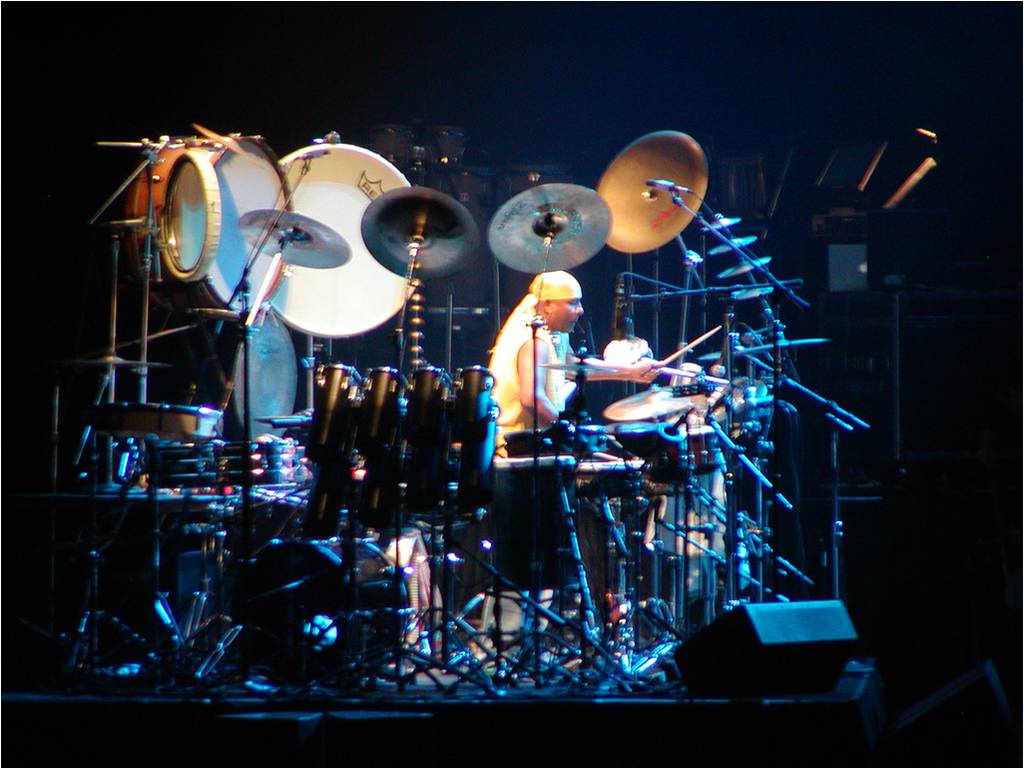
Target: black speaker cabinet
(769, 649)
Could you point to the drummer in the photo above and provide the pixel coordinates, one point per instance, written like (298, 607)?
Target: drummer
(557, 299)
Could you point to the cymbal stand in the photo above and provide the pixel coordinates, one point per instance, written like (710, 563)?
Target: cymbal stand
(839, 419)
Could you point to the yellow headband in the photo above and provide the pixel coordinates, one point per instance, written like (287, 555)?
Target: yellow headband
(556, 285)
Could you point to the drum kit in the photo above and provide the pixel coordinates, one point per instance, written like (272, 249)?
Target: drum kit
(362, 544)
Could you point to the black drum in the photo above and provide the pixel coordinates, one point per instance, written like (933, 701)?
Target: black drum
(561, 438)
(298, 601)
(670, 454)
(511, 517)
(379, 420)
(331, 442)
(426, 434)
(474, 427)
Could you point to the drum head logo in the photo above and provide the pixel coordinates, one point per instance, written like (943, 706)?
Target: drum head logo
(371, 188)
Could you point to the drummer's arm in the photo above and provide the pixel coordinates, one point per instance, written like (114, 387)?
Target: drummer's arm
(525, 362)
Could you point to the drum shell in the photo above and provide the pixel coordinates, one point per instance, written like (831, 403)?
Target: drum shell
(667, 456)
(426, 434)
(379, 420)
(511, 518)
(474, 426)
(334, 413)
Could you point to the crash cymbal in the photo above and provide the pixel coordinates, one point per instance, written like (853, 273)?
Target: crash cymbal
(656, 403)
(742, 269)
(111, 360)
(307, 242)
(743, 351)
(445, 232)
(573, 218)
(644, 218)
(740, 242)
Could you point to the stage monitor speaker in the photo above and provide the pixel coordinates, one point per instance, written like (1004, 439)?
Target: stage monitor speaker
(769, 649)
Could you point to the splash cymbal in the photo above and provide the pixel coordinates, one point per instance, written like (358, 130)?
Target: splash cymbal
(744, 268)
(739, 242)
(307, 242)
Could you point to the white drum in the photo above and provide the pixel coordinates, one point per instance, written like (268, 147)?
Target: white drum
(200, 190)
(334, 184)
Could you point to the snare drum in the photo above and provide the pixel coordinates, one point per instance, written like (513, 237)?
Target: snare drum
(665, 449)
(200, 190)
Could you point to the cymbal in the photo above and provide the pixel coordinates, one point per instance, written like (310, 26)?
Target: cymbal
(308, 243)
(741, 242)
(744, 268)
(579, 368)
(572, 218)
(654, 404)
(721, 222)
(446, 232)
(750, 293)
(112, 360)
(644, 219)
(743, 351)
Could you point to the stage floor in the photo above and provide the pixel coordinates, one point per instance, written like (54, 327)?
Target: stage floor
(238, 725)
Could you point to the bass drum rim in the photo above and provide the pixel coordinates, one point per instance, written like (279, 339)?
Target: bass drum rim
(170, 253)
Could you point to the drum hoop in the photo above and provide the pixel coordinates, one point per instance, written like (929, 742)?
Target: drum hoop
(170, 258)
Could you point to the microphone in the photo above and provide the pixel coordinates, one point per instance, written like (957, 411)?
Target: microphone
(622, 324)
(665, 184)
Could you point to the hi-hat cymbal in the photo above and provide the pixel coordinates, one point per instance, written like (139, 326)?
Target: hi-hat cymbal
(644, 219)
(112, 360)
(445, 231)
(306, 242)
(571, 219)
(740, 242)
(744, 351)
(745, 267)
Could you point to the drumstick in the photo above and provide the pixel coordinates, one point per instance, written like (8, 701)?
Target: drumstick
(689, 346)
(229, 142)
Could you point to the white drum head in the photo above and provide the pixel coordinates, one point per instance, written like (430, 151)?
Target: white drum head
(210, 190)
(360, 295)
(246, 184)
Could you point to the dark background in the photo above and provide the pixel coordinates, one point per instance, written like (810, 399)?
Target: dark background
(934, 568)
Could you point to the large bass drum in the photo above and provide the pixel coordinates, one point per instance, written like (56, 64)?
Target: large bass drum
(334, 184)
(200, 190)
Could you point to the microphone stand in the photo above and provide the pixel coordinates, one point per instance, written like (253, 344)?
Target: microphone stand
(839, 419)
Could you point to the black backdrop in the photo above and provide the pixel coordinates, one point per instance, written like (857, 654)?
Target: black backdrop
(533, 83)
